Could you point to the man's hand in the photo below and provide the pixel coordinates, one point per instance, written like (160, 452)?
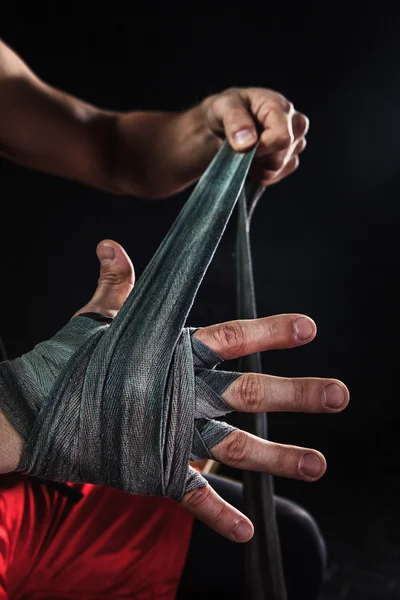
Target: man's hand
(245, 115)
(249, 393)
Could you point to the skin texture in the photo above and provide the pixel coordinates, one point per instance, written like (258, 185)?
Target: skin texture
(154, 155)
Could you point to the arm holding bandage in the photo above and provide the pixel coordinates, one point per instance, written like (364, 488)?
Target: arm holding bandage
(151, 154)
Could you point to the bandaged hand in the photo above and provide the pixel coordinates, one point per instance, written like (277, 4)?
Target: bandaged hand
(217, 392)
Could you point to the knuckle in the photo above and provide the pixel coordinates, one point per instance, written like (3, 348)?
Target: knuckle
(218, 515)
(281, 462)
(198, 497)
(273, 330)
(251, 392)
(231, 336)
(111, 277)
(226, 98)
(287, 105)
(238, 119)
(299, 399)
(236, 448)
(231, 91)
(280, 102)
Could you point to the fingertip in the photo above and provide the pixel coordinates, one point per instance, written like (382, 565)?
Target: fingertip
(336, 395)
(106, 243)
(243, 139)
(243, 531)
(113, 256)
(106, 252)
(312, 466)
(305, 329)
(208, 506)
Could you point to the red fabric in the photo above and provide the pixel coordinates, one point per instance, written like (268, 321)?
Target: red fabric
(109, 545)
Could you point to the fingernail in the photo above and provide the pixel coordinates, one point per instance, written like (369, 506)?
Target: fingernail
(310, 465)
(107, 254)
(334, 396)
(243, 532)
(303, 328)
(244, 137)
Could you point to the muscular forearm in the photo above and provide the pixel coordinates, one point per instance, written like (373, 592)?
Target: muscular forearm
(167, 151)
(143, 153)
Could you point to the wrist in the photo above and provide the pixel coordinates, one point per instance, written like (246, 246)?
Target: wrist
(196, 143)
(157, 154)
(11, 446)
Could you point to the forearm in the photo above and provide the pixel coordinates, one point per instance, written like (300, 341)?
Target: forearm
(53, 134)
(150, 154)
(49, 130)
(166, 151)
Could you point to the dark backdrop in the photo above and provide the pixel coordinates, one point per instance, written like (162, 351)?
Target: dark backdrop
(324, 241)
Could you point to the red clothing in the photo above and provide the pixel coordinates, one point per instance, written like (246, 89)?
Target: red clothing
(108, 545)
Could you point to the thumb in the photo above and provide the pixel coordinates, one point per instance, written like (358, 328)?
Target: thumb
(116, 281)
(229, 114)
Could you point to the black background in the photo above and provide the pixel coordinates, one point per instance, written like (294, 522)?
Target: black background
(325, 241)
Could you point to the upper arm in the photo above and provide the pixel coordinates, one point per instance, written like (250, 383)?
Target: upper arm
(50, 130)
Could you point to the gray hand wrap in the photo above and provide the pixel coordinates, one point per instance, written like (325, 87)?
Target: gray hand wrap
(77, 428)
(128, 404)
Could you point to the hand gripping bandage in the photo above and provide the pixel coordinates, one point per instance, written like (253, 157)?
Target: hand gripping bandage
(128, 404)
